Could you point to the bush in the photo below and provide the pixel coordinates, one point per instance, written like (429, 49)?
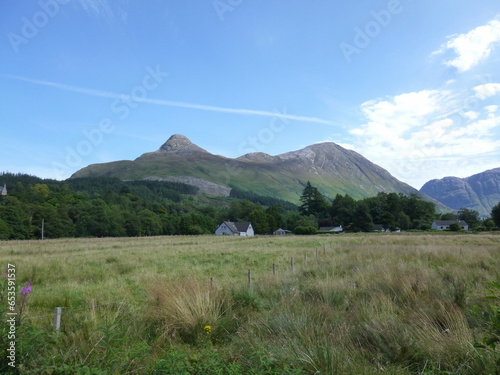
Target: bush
(305, 230)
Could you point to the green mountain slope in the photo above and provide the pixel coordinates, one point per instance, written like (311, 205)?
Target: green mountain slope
(329, 167)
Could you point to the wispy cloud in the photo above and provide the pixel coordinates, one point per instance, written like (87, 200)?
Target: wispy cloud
(170, 103)
(473, 47)
(105, 9)
(96, 7)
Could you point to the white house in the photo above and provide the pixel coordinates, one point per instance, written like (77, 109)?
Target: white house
(235, 229)
(445, 224)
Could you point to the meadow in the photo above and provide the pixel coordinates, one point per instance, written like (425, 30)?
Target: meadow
(398, 303)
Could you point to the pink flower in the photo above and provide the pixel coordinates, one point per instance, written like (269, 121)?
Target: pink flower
(26, 289)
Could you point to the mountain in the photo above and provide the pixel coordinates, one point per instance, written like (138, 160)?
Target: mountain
(328, 166)
(479, 192)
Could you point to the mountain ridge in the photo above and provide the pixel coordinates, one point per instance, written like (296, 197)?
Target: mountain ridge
(479, 192)
(328, 166)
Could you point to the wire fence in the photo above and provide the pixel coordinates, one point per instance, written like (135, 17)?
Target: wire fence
(58, 312)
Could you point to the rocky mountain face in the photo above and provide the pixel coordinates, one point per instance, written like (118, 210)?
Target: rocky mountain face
(328, 166)
(479, 192)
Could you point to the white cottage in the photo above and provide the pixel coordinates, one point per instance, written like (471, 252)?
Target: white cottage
(235, 229)
(445, 224)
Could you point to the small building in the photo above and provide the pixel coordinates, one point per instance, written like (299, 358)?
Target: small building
(281, 232)
(445, 224)
(3, 190)
(235, 229)
(382, 228)
(331, 229)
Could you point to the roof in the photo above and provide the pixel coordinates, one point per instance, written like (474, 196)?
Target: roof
(242, 226)
(237, 227)
(330, 229)
(449, 222)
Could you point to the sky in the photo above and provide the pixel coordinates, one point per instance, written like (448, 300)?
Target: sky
(414, 86)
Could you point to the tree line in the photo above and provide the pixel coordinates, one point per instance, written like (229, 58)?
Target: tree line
(392, 210)
(109, 207)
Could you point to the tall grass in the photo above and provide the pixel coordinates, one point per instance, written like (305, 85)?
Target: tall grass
(391, 303)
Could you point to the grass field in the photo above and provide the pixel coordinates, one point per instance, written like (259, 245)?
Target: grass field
(396, 303)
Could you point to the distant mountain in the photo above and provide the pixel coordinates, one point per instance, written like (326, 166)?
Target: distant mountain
(479, 192)
(328, 166)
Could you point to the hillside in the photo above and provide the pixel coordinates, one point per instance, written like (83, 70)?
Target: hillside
(479, 192)
(328, 166)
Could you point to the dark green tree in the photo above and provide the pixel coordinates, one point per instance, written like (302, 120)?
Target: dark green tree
(471, 217)
(362, 221)
(259, 220)
(495, 214)
(4, 231)
(312, 202)
(342, 209)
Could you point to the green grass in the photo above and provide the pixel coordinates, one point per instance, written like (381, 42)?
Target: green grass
(371, 303)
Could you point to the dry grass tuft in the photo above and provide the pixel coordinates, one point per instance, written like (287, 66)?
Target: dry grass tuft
(186, 306)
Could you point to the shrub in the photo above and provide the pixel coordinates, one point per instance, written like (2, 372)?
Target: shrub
(305, 230)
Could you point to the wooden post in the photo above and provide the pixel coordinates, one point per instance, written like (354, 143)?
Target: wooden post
(305, 259)
(316, 253)
(274, 269)
(249, 277)
(292, 264)
(57, 318)
(43, 227)
(324, 249)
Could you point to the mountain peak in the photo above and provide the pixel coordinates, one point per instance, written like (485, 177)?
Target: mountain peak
(180, 143)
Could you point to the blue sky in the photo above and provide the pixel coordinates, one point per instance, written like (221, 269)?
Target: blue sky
(414, 86)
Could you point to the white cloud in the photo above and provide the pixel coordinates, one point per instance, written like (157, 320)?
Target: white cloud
(491, 108)
(471, 115)
(487, 90)
(473, 47)
(419, 136)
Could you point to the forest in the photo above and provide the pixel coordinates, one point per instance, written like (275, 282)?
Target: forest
(109, 207)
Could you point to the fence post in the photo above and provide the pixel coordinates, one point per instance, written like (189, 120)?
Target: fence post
(324, 249)
(305, 259)
(316, 253)
(249, 277)
(274, 269)
(292, 264)
(57, 318)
